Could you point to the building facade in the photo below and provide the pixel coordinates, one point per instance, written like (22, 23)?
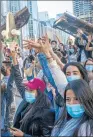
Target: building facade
(83, 9)
(43, 16)
(29, 30)
(46, 26)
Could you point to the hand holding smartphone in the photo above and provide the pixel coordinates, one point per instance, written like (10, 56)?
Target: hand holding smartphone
(11, 128)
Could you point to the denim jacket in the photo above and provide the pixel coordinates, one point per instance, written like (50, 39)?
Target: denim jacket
(54, 74)
(57, 79)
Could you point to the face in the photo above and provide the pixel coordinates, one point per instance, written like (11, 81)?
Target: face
(53, 44)
(31, 91)
(73, 70)
(89, 68)
(71, 99)
(28, 71)
(61, 47)
(6, 70)
(89, 62)
(74, 108)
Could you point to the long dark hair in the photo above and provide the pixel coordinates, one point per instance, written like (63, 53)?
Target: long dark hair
(89, 59)
(28, 59)
(81, 69)
(36, 109)
(85, 97)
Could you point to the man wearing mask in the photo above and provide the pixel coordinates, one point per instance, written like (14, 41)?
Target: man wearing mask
(54, 45)
(89, 67)
(6, 98)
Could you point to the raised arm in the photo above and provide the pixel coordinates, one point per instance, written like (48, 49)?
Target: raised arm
(88, 48)
(55, 57)
(17, 76)
(58, 76)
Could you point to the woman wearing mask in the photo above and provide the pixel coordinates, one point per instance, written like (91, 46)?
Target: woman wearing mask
(81, 42)
(73, 54)
(74, 70)
(89, 67)
(49, 63)
(77, 116)
(34, 116)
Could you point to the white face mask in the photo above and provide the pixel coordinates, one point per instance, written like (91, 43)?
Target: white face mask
(53, 46)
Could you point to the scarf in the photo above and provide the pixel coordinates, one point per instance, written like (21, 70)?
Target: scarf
(68, 128)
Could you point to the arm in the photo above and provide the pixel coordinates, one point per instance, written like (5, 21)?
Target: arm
(84, 37)
(42, 127)
(59, 77)
(58, 39)
(57, 74)
(46, 70)
(19, 81)
(55, 57)
(89, 48)
(17, 76)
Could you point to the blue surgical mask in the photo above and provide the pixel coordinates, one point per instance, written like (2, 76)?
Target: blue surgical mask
(89, 68)
(71, 50)
(30, 97)
(75, 111)
(73, 77)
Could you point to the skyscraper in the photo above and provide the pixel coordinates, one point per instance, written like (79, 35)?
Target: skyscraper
(29, 30)
(83, 9)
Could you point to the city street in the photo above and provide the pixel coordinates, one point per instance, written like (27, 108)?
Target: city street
(46, 68)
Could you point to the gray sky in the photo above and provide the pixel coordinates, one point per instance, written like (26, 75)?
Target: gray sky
(55, 7)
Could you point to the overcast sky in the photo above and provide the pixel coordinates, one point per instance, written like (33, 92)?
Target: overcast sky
(55, 7)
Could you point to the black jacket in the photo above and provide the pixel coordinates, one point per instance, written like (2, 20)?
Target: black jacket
(36, 125)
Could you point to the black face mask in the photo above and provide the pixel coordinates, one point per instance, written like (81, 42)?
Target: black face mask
(3, 71)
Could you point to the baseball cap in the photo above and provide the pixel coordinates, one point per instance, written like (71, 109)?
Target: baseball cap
(36, 84)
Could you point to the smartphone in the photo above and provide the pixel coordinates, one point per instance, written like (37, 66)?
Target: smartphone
(12, 128)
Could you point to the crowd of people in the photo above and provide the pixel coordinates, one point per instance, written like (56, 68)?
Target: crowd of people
(55, 82)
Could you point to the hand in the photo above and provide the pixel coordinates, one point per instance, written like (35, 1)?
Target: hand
(52, 89)
(53, 92)
(3, 87)
(80, 31)
(13, 54)
(89, 38)
(41, 46)
(16, 132)
(13, 45)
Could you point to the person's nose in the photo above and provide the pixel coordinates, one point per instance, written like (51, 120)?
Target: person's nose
(72, 101)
